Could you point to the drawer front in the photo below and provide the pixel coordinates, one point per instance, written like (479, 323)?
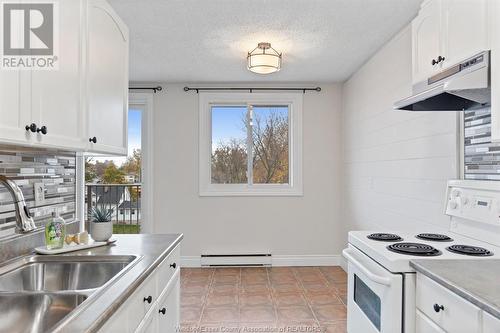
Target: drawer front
(449, 311)
(167, 268)
(137, 305)
(425, 325)
(490, 323)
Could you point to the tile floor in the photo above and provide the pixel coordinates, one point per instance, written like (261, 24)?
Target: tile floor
(263, 299)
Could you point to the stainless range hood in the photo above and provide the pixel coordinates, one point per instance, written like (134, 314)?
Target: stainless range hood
(461, 87)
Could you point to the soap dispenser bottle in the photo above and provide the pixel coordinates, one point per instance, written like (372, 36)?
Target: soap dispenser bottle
(55, 231)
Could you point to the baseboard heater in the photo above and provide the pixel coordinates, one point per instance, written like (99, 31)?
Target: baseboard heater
(225, 260)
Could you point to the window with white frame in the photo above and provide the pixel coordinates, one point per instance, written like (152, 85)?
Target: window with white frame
(250, 144)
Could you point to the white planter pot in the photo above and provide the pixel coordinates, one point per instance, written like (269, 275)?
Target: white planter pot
(101, 231)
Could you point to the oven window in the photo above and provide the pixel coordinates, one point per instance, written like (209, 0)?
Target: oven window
(367, 301)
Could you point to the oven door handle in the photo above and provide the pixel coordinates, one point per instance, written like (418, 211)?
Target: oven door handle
(372, 276)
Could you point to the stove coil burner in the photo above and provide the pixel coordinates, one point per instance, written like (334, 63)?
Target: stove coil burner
(414, 249)
(435, 237)
(470, 250)
(385, 237)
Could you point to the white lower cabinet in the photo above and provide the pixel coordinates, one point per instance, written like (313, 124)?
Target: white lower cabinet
(117, 323)
(150, 322)
(155, 306)
(141, 301)
(168, 306)
(439, 310)
(490, 323)
(450, 311)
(164, 315)
(424, 324)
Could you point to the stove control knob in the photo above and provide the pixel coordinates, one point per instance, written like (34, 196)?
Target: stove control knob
(465, 201)
(455, 193)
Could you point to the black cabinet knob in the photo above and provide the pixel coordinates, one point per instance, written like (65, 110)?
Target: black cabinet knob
(148, 299)
(162, 311)
(42, 129)
(438, 307)
(94, 139)
(174, 265)
(434, 62)
(32, 127)
(440, 58)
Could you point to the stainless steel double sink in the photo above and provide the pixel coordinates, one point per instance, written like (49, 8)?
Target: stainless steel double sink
(37, 292)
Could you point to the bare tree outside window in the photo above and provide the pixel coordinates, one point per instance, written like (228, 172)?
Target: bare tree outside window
(229, 163)
(270, 145)
(261, 130)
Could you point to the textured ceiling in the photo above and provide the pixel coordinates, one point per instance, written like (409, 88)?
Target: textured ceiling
(207, 40)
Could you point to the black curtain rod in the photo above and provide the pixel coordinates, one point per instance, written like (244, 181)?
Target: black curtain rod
(186, 89)
(155, 89)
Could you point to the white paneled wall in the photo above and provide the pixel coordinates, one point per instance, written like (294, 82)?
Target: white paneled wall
(396, 163)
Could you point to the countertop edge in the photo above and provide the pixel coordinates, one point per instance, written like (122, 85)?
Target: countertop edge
(477, 301)
(99, 323)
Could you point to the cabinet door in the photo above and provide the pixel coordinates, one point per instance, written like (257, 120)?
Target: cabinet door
(118, 322)
(57, 94)
(456, 314)
(425, 325)
(14, 107)
(494, 29)
(426, 39)
(107, 73)
(465, 29)
(169, 306)
(490, 323)
(150, 322)
(142, 301)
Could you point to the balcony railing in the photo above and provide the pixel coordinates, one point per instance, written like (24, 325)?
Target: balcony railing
(124, 200)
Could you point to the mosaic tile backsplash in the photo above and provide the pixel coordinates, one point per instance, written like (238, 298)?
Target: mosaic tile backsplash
(481, 156)
(30, 168)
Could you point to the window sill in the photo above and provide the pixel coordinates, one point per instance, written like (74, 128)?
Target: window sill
(252, 193)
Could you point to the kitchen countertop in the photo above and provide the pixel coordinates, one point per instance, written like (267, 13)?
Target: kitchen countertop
(152, 248)
(474, 280)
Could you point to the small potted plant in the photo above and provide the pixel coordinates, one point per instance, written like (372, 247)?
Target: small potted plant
(101, 225)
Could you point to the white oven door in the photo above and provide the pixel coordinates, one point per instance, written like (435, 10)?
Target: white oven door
(374, 297)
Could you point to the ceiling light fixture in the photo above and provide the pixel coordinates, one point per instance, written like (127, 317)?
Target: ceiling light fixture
(264, 59)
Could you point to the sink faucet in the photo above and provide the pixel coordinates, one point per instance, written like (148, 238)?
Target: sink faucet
(24, 221)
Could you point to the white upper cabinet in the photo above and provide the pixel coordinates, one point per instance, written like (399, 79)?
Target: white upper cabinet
(494, 29)
(426, 40)
(12, 121)
(85, 96)
(56, 95)
(107, 79)
(446, 32)
(465, 29)
(15, 113)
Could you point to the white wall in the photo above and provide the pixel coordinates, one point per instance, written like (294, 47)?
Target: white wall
(286, 226)
(396, 163)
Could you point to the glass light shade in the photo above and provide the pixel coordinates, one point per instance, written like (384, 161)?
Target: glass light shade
(264, 59)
